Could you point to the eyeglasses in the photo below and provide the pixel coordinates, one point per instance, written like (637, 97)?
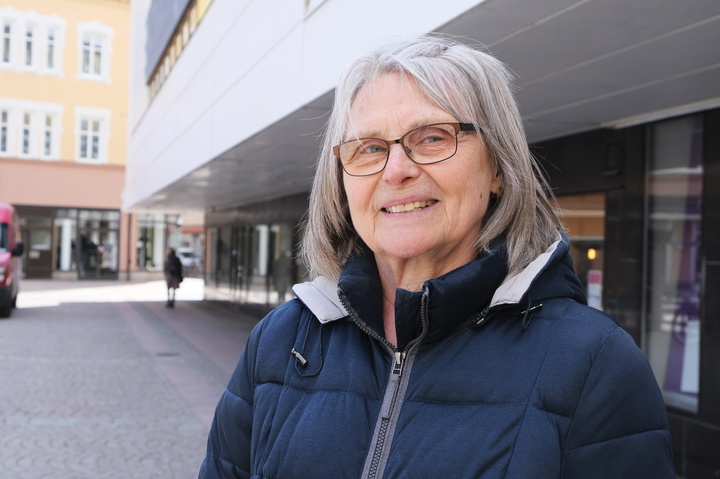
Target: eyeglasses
(423, 145)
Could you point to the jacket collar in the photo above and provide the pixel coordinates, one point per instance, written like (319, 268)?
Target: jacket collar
(451, 299)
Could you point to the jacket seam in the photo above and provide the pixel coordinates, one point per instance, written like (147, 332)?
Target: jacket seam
(228, 462)
(487, 403)
(244, 399)
(612, 439)
(528, 404)
(582, 393)
(322, 390)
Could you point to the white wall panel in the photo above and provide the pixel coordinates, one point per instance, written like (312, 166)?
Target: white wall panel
(249, 64)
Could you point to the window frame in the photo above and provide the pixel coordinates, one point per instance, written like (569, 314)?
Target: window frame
(29, 47)
(5, 131)
(53, 132)
(98, 37)
(84, 136)
(7, 42)
(27, 118)
(29, 54)
(16, 128)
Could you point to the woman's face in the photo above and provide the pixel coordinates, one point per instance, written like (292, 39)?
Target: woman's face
(408, 211)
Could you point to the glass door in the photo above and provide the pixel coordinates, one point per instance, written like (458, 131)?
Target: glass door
(97, 244)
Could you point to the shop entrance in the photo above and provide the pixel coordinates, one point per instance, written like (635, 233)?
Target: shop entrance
(37, 236)
(97, 244)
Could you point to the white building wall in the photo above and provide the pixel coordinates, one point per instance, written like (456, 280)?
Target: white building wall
(249, 64)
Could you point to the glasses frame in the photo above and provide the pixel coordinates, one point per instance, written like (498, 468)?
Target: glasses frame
(458, 126)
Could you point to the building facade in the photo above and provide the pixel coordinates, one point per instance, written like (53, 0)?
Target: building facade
(63, 141)
(622, 106)
(63, 136)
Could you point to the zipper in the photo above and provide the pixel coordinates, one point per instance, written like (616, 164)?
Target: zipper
(399, 359)
(360, 324)
(393, 393)
(482, 317)
(395, 390)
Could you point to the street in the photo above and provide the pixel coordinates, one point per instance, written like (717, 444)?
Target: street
(100, 380)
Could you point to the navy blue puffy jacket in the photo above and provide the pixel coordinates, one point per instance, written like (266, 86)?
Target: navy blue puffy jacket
(519, 380)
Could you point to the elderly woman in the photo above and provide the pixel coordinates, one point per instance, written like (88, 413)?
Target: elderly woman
(445, 333)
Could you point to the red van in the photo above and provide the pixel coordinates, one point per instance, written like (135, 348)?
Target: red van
(11, 251)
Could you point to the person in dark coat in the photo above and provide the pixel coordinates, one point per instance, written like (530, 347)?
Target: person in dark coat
(173, 276)
(444, 332)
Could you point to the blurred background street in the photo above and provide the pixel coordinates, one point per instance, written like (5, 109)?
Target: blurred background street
(100, 380)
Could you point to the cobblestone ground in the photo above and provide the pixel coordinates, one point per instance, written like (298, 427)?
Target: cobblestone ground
(103, 382)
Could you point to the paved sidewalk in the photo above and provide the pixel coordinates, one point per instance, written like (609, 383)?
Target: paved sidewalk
(100, 380)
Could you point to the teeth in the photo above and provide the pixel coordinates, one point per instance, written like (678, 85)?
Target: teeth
(414, 206)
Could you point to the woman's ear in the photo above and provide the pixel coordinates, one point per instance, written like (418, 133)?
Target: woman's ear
(496, 184)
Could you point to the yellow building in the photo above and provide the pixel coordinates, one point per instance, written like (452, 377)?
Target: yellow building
(63, 133)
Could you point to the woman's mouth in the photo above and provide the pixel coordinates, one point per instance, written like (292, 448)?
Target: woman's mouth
(407, 207)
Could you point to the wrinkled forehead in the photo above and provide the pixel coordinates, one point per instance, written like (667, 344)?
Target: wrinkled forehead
(391, 102)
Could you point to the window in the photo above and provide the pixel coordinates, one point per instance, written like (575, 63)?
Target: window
(92, 54)
(50, 59)
(186, 27)
(94, 51)
(48, 140)
(6, 43)
(674, 277)
(4, 131)
(26, 131)
(29, 46)
(89, 139)
(92, 134)
(31, 42)
(54, 34)
(30, 129)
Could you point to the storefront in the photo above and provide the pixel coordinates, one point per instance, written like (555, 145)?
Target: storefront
(86, 243)
(252, 253)
(83, 241)
(155, 233)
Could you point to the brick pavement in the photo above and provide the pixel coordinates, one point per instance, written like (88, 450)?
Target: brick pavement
(100, 380)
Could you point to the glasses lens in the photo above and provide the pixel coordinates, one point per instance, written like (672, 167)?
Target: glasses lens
(431, 143)
(364, 156)
(424, 145)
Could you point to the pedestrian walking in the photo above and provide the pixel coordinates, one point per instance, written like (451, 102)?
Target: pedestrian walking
(445, 333)
(173, 276)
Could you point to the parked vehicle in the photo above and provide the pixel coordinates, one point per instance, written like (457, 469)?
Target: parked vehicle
(11, 251)
(188, 258)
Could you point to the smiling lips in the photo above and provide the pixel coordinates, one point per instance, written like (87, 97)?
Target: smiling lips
(407, 207)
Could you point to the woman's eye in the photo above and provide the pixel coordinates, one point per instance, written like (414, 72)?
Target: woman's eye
(372, 149)
(432, 139)
(432, 136)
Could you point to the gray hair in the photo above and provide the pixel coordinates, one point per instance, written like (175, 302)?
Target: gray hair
(475, 88)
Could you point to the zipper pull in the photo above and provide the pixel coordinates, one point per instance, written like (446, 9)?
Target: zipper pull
(299, 357)
(399, 361)
(482, 317)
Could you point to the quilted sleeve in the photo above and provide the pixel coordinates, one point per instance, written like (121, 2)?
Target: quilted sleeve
(620, 427)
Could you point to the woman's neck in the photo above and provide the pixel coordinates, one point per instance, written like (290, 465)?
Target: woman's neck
(409, 274)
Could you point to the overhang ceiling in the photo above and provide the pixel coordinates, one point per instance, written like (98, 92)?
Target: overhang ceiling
(580, 65)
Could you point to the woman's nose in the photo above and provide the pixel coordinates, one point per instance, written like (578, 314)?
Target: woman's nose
(399, 166)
